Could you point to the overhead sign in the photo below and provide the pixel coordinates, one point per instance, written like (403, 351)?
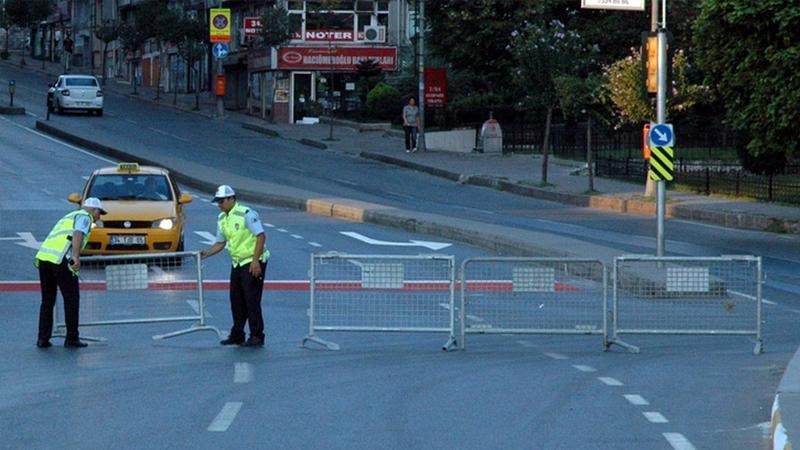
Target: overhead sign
(435, 86)
(252, 26)
(220, 50)
(662, 135)
(220, 25)
(335, 58)
(661, 163)
(625, 5)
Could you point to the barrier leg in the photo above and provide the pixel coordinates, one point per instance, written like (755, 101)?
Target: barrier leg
(450, 344)
(194, 328)
(316, 339)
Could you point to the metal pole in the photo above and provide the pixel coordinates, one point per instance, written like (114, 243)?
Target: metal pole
(421, 94)
(661, 115)
(220, 99)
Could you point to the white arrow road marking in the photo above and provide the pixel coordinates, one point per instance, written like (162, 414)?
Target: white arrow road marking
(413, 243)
(225, 417)
(207, 237)
(29, 241)
(10, 238)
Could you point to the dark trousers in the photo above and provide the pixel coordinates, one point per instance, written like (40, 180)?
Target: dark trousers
(51, 278)
(411, 137)
(246, 301)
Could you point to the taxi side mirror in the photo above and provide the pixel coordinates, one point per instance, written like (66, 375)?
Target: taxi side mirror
(74, 198)
(185, 198)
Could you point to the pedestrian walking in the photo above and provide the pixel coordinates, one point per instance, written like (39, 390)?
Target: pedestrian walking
(240, 227)
(411, 124)
(59, 261)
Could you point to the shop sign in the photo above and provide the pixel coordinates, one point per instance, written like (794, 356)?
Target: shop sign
(435, 86)
(326, 36)
(252, 26)
(335, 58)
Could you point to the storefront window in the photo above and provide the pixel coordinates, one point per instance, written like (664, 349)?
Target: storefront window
(364, 20)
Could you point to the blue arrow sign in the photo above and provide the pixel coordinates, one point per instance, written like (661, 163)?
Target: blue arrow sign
(661, 135)
(220, 50)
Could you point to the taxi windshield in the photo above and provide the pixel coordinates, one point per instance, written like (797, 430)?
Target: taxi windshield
(130, 187)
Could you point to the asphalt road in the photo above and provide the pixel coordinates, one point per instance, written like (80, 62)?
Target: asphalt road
(394, 390)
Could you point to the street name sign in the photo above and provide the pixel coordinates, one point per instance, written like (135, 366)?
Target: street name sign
(662, 135)
(624, 5)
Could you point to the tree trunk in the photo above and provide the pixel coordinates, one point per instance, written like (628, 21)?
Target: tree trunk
(160, 69)
(133, 77)
(546, 144)
(103, 69)
(197, 92)
(589, 152)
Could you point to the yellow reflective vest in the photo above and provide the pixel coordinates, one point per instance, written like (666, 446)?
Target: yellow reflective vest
(241, 241)
(59, 240)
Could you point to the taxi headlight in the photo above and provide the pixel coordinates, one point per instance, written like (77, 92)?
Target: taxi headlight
(164, 224)
(98, 224)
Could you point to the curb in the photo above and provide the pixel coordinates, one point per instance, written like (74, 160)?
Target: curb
(606, 203)
(260, 129)
(778, 436)
(313, 143)
(12, 110)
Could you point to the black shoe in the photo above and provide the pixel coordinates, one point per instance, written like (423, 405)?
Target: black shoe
(75, 344)
(253, 341)
(43, 343)
(232, 341)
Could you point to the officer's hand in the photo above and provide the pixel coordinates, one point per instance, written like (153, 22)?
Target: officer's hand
(76, 265)
(255, 268)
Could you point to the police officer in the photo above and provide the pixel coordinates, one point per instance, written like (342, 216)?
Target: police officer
(240, 227)
(58, 261)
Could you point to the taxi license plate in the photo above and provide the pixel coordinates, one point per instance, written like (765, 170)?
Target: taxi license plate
(126, 240)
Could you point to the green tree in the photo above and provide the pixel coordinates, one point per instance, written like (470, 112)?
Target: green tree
(108, 32)
(28, 13)
(164, 31)
(276, 27)
(132, 39)
(5, 23)
(749, 52)
(191, 41)
(369, 75)
(543, 53)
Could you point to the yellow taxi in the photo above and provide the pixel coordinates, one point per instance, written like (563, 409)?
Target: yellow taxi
(145, 210)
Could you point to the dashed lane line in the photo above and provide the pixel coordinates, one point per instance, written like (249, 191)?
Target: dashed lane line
(225, 417)
(636, 400)
(269, 225)
(655, 417)
(296, 236)
(282, 230)
(678, 441)
(610, 381)
(556, 355)
(242, 373)
(584, 368)
(156, 130)
(315, 244)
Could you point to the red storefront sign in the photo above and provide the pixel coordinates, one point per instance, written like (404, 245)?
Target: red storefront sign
(336, 58)
(252, 26)
(435, 86)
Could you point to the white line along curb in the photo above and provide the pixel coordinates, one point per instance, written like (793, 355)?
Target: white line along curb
(780, 441)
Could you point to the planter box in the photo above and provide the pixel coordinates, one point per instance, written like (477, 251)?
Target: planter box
(461, 141)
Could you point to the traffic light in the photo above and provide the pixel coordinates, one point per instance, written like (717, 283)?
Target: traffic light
(650, 63)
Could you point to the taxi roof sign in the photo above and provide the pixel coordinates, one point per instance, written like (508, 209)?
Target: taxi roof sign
(128, 167)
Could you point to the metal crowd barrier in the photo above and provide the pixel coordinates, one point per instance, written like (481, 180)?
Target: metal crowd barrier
(133, 289)
(381, 293)
(533, 296)
(687, 295)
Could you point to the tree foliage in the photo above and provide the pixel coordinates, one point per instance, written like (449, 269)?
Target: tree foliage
(25, 13)
(750, 52)
(276, 27)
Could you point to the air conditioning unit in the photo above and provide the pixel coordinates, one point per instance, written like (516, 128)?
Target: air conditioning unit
(375, 34)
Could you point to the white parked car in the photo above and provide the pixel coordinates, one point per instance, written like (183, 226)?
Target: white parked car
(81, 92)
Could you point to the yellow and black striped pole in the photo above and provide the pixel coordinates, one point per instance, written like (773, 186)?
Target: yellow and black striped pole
(662, 164)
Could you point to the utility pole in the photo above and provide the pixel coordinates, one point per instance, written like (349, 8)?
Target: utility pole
(661, 117)
(421, 94)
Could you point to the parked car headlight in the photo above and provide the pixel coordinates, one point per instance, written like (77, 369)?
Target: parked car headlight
(164, 224)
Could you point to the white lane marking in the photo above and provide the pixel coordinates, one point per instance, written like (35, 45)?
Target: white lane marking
(131, 121)
(314, 244)
(269, 225)
(411, 243)
(678, 441)
(716, 227)
(484, 211)
(397, 194)
(526, 344)
(295, 169)
(655, 417)
(445, 306)
(475, 318)
(157, 270)
(31, 114)
(556, 355)
(750, 297)
(195, 305)
(167, 134)
(296, 236)
(10, 238)
(282, 230)
(795, 311)
(610, 381)
(46, 191)
(207, 237)
(637, 400)
(242, 373)
(584, 368)
(256, 159)
(347, 182)
(225, 417)
(42, 135)
(204, 200)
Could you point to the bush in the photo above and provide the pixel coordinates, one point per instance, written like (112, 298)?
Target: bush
(384, 102)
(4, 54)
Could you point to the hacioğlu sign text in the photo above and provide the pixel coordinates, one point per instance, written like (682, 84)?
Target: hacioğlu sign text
(336, 58)
(627, 5)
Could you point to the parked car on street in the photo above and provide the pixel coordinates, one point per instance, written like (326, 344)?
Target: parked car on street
(145, 210)
(75, 92)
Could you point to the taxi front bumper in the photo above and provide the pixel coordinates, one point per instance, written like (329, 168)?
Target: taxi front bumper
(111, 241)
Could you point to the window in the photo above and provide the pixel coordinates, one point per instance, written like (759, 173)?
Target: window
(130, 187)
(81, 82)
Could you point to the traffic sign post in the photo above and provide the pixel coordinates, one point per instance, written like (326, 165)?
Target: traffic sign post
(220, 50)
(661, 134)
(219, 31)
(12, 88)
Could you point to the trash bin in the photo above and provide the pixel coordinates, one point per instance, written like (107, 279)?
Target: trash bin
(492, 137)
